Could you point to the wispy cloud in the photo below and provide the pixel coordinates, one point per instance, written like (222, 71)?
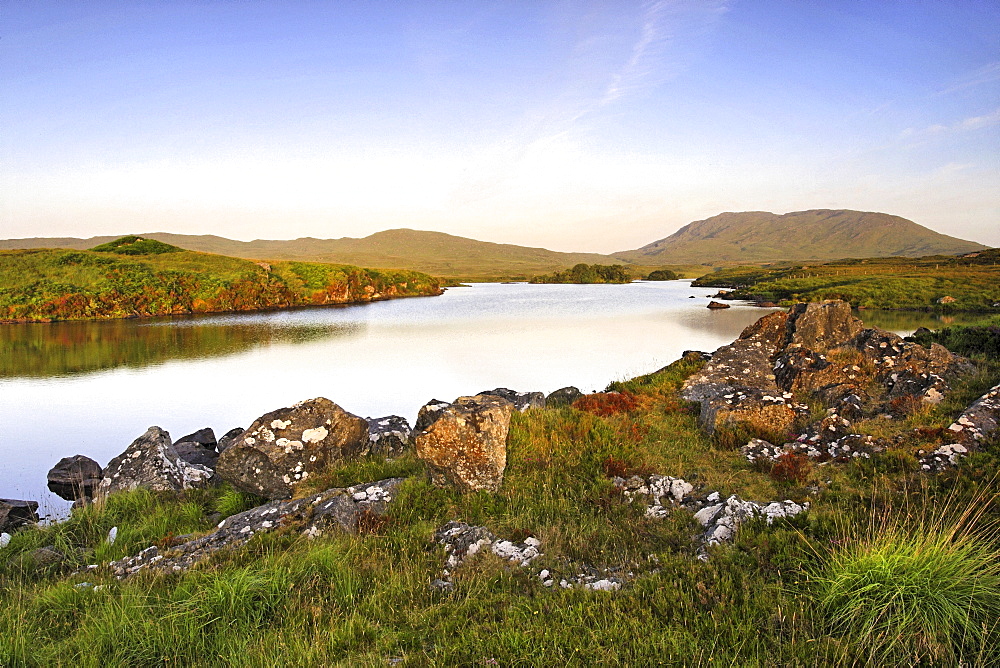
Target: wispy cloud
(988, 73)
(965, 125)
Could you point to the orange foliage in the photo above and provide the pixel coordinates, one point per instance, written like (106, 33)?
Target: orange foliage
(607, 403)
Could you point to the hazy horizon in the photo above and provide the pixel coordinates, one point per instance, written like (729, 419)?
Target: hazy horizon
(573, 126)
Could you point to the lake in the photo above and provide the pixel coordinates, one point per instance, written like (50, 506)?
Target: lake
(92, 387)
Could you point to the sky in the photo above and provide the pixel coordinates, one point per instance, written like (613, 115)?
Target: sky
(568, 124)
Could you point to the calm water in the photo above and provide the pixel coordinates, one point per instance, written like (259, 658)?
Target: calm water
(92, 388)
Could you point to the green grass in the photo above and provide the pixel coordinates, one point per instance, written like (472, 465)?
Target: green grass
(365, 599)
(142, 278)
(931, 283)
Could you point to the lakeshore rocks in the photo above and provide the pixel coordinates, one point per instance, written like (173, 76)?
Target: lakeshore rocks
(816, 351)
(15, 513)
(521, 401)
(718, 305)
(338, 509)
(388, 436)
(152, 462)
(284, 447)
(564, 396)
(75, 477)
(466, 446)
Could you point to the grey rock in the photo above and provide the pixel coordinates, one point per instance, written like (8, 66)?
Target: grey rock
(15, 513)
(229, 438)
(152, 462)
(339, 509)
(521, 401)
(203, 437)
(429, 412)
(194, 453)
(286, 446)
(389, 436)
(75, 477)
(563, 397)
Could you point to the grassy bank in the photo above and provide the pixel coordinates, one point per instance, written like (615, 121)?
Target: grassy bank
(970, 283)
(144, 278)
(771, 599)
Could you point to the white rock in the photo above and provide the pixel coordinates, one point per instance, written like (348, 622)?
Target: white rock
(5, 540)
(112, 535)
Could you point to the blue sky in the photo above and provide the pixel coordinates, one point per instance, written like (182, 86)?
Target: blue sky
(572, 125)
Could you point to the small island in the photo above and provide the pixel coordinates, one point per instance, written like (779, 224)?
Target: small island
(588, 273)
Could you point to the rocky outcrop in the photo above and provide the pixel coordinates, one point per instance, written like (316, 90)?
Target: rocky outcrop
(466, 446)
(388, 436)
(203, 437)
(75, 477)
(979, 421)
(341, 509)
(229, 438)
(564, 396)
(821, 352)
(521, 401)
(152, 462)
(198, 448)
(286, 446)
(15, 513)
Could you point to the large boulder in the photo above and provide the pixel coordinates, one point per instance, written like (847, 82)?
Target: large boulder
(152, 462)
(75, 477)
(564, 396)
(15, 513)
(822, 326)
(229, 438)
(466, 446)
(286, 446)
(429, 412)
(203, 437)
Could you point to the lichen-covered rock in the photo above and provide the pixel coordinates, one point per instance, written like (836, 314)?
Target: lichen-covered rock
(564, 396)
(821, 326)
(462, 540)
(979, 420)
(944, 457)
(340, 509)
(15, 513)
(750, 408)
(521, 401)
(75, 477)
(722, 520)
(388, 436)
(286, 446)
(466, 446)
(152, 462)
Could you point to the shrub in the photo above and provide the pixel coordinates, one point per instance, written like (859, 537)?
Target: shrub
(907, 595)
(607, 403)
(791, 467)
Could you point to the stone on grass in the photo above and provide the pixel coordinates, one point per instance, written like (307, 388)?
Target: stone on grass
(563, 397)
(151, 462)
(15, 513)
(284, 447)
(388, 436)
(466, 446)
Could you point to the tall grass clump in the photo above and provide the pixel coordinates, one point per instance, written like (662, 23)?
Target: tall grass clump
(914, 592)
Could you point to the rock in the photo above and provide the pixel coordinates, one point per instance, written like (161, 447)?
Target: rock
(45, 557)
(696, 356)
(822, 326)
(15, 513)
(462, 540)
(203, 437)
(766, 304)
(758, 449)
(980, 420)
(286, 446)
(194, 453)
(429, 412)
(75, 477)
(944, 457)
(563, 397)
(521, 401)
(388, 436)
(717, 305)
(466, 446)
(4, 539)
(152, 462)
(229, 438)
(751, 408)
(339, 509)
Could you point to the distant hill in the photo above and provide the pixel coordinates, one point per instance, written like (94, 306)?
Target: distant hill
(435, 253)
(822, 234)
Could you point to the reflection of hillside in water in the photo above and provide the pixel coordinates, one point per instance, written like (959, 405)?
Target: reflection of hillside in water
(69, 348)
(909, 321)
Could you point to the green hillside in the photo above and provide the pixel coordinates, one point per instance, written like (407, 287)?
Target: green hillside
(969, 283)
(823, 234)
(435, 253)
(138, 277)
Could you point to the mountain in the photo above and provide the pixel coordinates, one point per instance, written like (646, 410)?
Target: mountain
(435, 253)
(821, 234)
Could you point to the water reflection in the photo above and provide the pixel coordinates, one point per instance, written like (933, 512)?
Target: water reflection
(71, 348)
(907, 322)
